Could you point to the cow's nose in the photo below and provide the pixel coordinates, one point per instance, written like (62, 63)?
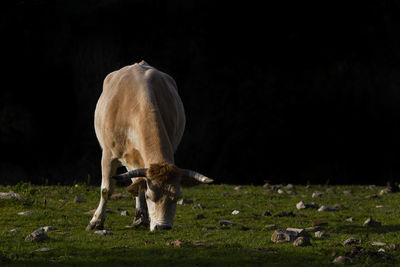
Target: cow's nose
(163, 227)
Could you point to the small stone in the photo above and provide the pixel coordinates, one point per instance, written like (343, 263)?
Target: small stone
(351, 240)
(269, 226)
(391, 246)
(198, 206)
(239, 187)
(350, 219)
(184, 201)
(300, 205)
(289, 186)
(331, 190)
(37, 236)
(348, 192)
(177, 243)
(26, 213)
(320, 234)
(326, 208)
(381, 250)
(79, 199)
(14, 230)
(226, 222)
(103, 232)
(371, 222)
(290, 234)
(317, 194)
(124, 213)
(301, 241)
(342, 260)
(42, 250)
(207, 228)
(48, 228)
(378, 244)
(266, 213)
(280, 191)
(385, 191)
(235, 212)
(9, 195)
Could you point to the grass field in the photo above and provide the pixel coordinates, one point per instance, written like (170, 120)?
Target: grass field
(246, 243)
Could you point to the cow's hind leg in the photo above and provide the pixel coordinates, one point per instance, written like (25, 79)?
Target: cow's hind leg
(108, 169)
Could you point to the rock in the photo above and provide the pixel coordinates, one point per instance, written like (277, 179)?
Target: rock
(320, 234)
(381, 250)
(391, 246)
(14, 230)
(207, 228)
(124, 213)
(37, 236)
(300, 205)
(302, 241)
(79, 199)
(371, 222)
(176, 243)
(317, 194)
(185, 201)
(385, 191)
(26, 213)
(350, 219)
(198, 206)
(280, 191)
(351, 240)
(290, 234)
(326, 208)
(378, 244)
(103, 232)
(266, 213)
(348, 192)
(239, 187)
(42, 250)
(235, 212)
(118, 196)
(48, 228)
(269, 226)
(9, 195)
(342, 260)
(331, 190)
(226, 222)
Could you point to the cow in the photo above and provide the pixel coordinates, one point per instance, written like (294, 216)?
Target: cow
(139, 122)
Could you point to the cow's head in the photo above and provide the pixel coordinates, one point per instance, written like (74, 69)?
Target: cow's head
(161, 184)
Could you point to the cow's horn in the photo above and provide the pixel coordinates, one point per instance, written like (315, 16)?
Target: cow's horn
(130, 174)
(197, 176)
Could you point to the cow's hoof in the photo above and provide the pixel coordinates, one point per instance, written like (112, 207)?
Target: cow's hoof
(140, 222)
(95, 226)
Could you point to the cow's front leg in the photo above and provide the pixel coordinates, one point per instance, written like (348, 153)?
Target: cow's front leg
(108, 169)
(141, 214)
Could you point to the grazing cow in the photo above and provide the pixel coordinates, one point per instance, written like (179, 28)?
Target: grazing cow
(139, 122)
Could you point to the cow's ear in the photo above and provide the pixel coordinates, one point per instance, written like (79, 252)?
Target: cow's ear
(137, 186)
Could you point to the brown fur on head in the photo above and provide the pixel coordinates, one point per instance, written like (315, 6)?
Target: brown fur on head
(164, 172)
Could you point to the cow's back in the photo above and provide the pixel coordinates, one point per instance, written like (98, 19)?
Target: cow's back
(139, 110)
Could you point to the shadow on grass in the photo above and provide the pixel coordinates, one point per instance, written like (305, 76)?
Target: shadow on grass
(356, 229)
(168, 257)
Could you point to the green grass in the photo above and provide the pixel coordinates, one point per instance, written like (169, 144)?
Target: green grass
(229, 246)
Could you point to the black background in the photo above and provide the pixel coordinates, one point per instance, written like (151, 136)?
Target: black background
(287, 92)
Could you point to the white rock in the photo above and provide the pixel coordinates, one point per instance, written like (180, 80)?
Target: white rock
(9, 195)
(326, 208)
(43, 249)
(26, 213)
(381, 250)
(351, 240)
(48, 228)
(342, 260)
(317, 194)
(14, 230)
(103, 232)
(300, 205)
(379, 244)
(235, 212)
(124, 213)
(280, 191)
(239, 187)
(38, 235)
(321, 234)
